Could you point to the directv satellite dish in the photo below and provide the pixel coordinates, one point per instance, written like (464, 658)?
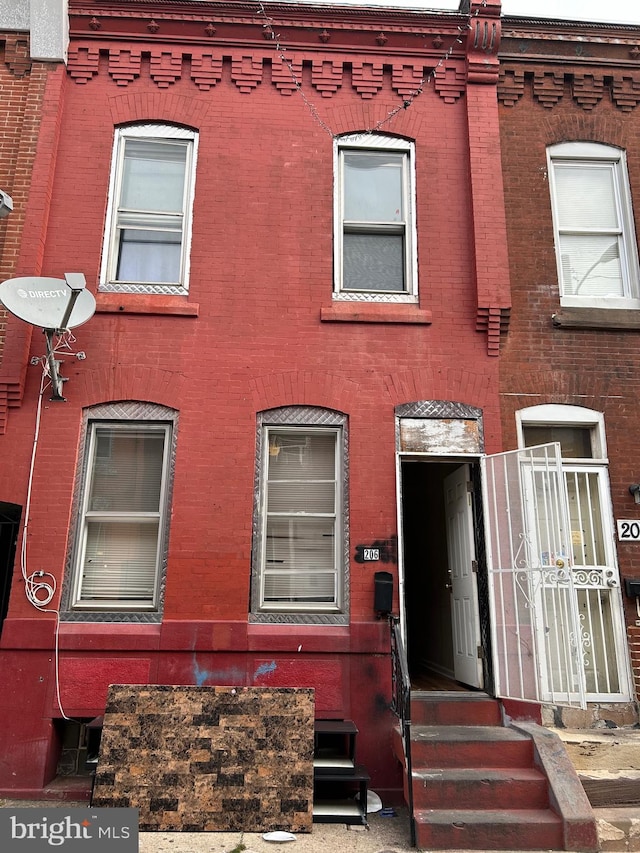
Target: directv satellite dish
(56, 305)
(45, 302)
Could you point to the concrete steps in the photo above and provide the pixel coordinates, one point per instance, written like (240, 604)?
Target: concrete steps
(472, 788)
(478, 785)
(473, 829)
(470, 746)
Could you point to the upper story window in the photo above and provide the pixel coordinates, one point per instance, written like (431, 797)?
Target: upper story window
(593, 225)
(375, 241)
(147, 238)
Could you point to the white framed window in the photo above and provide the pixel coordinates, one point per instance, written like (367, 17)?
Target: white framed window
(594, 228)
(374, 215)
(120, 548)
(299, 550)
(148, 232)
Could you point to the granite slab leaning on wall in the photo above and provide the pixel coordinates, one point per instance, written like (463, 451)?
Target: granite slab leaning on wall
(209, 758)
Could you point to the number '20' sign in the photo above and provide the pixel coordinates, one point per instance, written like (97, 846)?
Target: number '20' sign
(628, 531)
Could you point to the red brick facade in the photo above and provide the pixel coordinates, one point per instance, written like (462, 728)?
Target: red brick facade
(23, 84)
(547, 99)
(268, 92)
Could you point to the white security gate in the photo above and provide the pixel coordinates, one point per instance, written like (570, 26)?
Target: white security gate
(537, 634)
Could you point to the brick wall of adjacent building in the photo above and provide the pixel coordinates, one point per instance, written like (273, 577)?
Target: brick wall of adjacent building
(23, 83)
(542, 104)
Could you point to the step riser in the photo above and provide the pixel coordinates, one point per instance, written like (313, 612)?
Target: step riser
(494, 795)
(482, 712)
(471, 754)
(488, 837)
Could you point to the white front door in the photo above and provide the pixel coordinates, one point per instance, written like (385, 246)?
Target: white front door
(467, 664)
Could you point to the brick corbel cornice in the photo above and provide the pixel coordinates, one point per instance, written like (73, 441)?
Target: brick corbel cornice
(548, 85)
(490, 259)
(483, 41)
(13, 369)
(16, 53)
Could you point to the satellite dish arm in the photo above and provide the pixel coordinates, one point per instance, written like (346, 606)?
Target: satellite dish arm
(57, 381)
(77, 283)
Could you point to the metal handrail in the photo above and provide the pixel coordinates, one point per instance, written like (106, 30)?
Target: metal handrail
(401, 706)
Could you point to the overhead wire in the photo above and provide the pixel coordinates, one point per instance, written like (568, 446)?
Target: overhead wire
(407, 101)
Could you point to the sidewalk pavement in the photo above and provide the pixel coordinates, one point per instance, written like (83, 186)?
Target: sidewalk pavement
(384, 835)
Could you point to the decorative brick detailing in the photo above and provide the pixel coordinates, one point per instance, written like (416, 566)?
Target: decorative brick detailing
(16, 55)
(548, 87)
(166, 67)
(297, 387)
(285, 74)
(407, 79)
(510, 86)
(588, 89)
(326, 76)
(206, 71)
(246, 72)
(366, 78)
(450, 82)
(124, 65)
(83, 63)
(625, 91)
(495, 322)
(483, 42)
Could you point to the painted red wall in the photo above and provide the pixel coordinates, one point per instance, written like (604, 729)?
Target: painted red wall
(259, 331)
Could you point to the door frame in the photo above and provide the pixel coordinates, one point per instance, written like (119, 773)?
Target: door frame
(473, 462)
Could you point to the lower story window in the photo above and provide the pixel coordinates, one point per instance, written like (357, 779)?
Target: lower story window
(124, 494)
(299, 553)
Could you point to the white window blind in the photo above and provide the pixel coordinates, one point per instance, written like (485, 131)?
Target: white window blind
(151, 212)
(593, 223)
(151, 198)
(300, 560)
(122, 517)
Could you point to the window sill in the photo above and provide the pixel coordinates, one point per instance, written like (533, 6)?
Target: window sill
(370, 312)
(597, 318)
(144, 303)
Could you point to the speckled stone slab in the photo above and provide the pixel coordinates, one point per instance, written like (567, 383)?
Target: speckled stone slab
(209, 758)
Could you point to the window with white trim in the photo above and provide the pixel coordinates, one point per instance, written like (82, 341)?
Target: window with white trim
(123, 509)
(148, 233)
(375, 240)
(299, 550)
(594, 229)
